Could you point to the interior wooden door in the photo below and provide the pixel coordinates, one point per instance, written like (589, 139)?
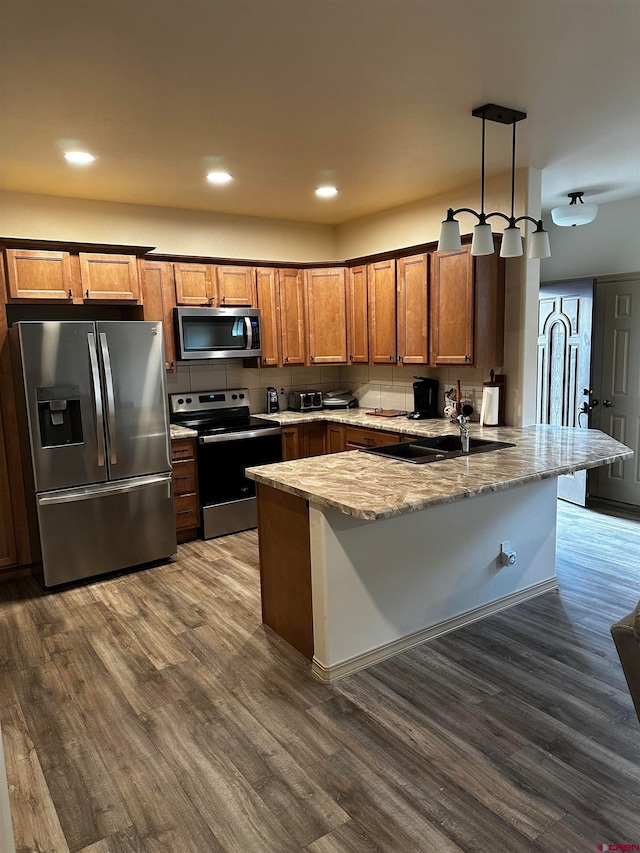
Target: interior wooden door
(412, 309)
(565, 311)
(616, 384)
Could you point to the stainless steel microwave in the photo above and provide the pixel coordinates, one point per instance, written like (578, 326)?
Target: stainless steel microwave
(205, 333)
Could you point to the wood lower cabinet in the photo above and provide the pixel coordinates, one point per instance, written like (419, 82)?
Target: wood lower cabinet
(326, 315)
(357, 315)
(335, 442)
(381, 283)
(467, 309)
(303, 440)
(412, 307)
(185, 488)
(159, 299)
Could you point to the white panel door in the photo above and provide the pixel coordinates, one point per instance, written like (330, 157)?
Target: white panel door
(617, 386)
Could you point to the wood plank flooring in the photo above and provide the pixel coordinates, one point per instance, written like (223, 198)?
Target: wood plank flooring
(153, 713)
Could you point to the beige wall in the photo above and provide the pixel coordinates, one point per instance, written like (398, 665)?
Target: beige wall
(172, 231)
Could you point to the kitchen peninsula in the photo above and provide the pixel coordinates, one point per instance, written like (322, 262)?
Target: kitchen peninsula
(362, 557)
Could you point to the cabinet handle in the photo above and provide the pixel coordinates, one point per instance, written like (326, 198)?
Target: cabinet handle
(222, 300)
(86, 293)
(312, 359)
(467, 358)
(400, 357)
(287, 360)
(69, 293)
(264, 360)
(184, 512)
(390, 358)
(350, 357)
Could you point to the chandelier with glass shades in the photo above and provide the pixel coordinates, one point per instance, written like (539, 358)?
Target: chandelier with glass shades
(482, 243)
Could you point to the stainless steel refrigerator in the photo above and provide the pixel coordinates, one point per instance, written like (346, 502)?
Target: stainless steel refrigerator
(96, 445)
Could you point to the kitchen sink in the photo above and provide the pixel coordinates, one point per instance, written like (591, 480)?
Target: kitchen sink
(435, 448)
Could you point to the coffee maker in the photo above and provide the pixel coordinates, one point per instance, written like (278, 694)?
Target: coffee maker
(425, 398)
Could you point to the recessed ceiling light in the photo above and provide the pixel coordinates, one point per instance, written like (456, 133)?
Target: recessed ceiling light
(326, 192)
(79, 157)
(219, 177)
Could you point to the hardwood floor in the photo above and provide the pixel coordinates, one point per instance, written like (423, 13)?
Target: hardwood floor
(153, 712)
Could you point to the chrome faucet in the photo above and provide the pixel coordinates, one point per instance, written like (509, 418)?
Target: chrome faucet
(464, 433)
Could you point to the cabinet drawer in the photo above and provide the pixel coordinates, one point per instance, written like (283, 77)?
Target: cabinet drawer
(186, 511)
(356, 437)
(184, 477)
(182, 448)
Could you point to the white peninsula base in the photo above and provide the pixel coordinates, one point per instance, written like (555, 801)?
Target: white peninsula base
(380, 587)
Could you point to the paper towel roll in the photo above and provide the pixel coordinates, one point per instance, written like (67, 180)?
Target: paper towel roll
(489, 412)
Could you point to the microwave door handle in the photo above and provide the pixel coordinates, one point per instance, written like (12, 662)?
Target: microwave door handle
(247, 322)
(97, 397)
(111, 400)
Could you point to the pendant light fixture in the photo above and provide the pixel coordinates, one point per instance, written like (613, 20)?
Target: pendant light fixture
(573, 213)
(482, 243)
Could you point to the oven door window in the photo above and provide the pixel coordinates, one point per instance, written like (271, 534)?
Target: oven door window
(202, 334)
(221, 467)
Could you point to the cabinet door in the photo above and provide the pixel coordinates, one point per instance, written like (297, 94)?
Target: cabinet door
(412, 309)
(38, 275)
(193, 284)
(452, 308)
(236, 286)
(291, 443)
(313, 441)
(357, 316)
(326, 295)
(291, 287)
(269, 305)
(158, 298)
(109, 277)
(335, 442)
(382, 312)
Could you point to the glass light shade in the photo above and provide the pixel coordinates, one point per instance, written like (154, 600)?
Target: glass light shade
(449, 236)
(511, 242)
(482, 243)
(574, 214)
(539, 245)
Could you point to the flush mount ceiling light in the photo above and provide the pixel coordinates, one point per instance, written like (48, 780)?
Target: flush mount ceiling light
(79, 157)
(219, 177)
(326, 192)
(573, 213)
(482, 243)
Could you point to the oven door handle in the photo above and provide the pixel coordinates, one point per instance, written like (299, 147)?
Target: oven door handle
(238, 436)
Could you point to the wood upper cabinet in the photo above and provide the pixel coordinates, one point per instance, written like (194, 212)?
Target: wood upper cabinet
(35, 274)
(235, 286)
(158, 296)
(194, 284)
(381, 280)
(413, 320)
(291, 290)
(467, 309)
(326, 313)
(268, 298)
(109, 278)
(357, 315)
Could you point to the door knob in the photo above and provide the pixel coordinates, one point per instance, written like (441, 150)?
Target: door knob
(608, 404)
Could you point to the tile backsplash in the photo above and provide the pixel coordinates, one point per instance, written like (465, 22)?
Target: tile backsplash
(389, 387)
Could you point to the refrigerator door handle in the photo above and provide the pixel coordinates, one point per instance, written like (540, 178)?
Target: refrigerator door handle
(97, 397)
(247, 321)
(111, 400)
(73, 495)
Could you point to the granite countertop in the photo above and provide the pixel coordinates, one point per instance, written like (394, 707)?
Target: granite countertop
(370, 487)
(182, 432)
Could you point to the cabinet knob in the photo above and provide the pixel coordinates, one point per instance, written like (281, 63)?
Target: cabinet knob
(390, 358)
(69, 293)
(86, 293)
(222, 300)
(312, 359)
(400, 358)
(350, 357)
(264, 360)
(287, 360)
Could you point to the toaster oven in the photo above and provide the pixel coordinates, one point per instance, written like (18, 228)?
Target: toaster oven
(305, 401)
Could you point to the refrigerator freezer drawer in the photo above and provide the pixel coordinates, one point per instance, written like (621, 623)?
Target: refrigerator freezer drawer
(92, 530)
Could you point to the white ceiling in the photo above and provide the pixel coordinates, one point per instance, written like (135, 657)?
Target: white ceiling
(372, 95)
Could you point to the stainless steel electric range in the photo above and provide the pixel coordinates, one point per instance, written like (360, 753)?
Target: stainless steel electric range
(230, 440)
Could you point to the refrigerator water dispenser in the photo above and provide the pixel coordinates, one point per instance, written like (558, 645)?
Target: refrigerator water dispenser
(59, 415)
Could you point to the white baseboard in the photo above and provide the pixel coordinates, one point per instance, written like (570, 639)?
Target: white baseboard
(329, 674)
